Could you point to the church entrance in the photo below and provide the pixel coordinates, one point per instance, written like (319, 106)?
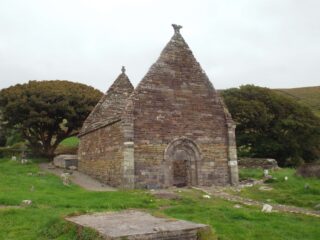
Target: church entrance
(181, 168)
(181, 161)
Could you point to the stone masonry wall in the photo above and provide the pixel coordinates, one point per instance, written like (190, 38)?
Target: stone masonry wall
(100, 154)
(176, 99)
(149, 169)
(263, 163)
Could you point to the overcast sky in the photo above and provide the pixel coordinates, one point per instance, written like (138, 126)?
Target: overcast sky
(272, 43)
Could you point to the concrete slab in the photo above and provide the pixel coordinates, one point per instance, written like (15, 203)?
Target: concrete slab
(138, 225)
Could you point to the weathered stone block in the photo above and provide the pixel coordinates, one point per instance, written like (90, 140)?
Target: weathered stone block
(65, 161)
(133, 225)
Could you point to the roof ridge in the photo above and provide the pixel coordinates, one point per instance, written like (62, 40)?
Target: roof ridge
(111, 104)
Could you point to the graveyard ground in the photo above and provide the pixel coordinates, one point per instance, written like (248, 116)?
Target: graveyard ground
(52, 201)
(296, 191)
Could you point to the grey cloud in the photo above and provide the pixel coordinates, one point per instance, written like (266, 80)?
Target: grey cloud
(268, 43)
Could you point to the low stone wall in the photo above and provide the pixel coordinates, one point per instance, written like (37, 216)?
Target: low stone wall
(263, 163)
(309, 170)
(65, 161)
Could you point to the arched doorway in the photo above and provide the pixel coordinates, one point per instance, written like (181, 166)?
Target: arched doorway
(181, 168)
(181, 159)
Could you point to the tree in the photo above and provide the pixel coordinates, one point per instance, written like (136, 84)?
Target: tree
(3, 138)
(46, 112)
(272, 125)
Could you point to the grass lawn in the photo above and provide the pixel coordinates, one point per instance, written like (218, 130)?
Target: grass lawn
(296, 191)
(52, 201)
(68, 146)
(70, 142)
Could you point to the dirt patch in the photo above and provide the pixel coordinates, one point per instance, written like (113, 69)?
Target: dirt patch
(9, 207)
(166, 195)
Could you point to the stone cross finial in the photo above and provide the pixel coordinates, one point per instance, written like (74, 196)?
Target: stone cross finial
(176, 28)
(123, 69)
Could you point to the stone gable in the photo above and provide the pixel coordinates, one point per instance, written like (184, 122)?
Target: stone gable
(110, 106)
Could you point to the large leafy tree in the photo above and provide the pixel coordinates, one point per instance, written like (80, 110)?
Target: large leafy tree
(272, 125)
(3, 138)
(46, 112)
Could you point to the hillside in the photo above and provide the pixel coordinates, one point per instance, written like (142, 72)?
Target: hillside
(309, 96)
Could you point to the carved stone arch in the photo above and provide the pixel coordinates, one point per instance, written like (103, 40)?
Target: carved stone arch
(181, 163)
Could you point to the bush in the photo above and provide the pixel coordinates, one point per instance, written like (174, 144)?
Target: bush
(13, 136)
(272, 125)
(14, 150)
(3, 140)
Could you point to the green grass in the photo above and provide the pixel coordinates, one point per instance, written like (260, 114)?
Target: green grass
(247, 173)
(309, 96)
(290, 192)
(52, 201)
(68, 146)
(244, 223)
(70, 142)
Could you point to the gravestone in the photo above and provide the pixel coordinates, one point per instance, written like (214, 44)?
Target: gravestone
(139, 225)
(65, 161)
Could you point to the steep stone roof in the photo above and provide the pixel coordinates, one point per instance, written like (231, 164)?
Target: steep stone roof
(108, 110)
(176, 96)
(175, 66)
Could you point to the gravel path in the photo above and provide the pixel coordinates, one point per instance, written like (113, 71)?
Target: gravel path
(219, 192)
(79, 178)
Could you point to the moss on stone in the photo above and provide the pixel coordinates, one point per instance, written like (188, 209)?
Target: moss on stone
(206, 234)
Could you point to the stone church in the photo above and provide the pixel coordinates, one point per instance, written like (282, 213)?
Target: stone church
(171, 130)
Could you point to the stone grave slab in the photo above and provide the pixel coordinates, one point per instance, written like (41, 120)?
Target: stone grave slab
(138, 225)
(65, 160)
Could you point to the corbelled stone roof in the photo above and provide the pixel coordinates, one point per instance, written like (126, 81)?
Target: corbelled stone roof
(176, 93)
(176, 65)
(108, 110)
